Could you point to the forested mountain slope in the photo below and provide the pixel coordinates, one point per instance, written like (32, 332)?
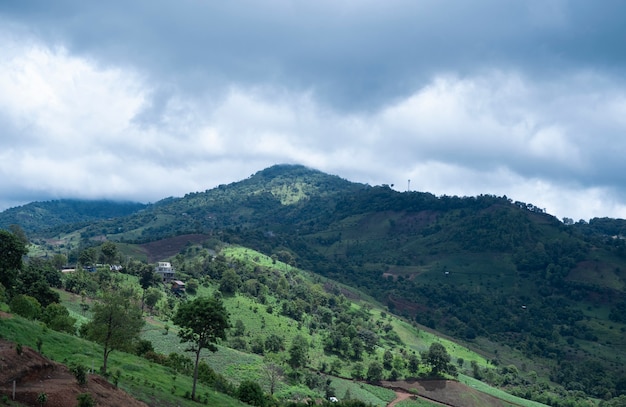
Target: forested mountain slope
(496, 273)
(36, 217)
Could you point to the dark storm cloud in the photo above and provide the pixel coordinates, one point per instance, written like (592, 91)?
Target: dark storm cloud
(352, 54)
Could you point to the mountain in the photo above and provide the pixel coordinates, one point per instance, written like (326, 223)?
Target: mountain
(36, 217)
(501, 275)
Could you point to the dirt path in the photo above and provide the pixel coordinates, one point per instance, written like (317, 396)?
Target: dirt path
(400, 396)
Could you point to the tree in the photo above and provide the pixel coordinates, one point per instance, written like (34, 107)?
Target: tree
(240, 328)
(152, 296)
(387, 360)
(19, 233)
(615, 402)
(414, 363)
(229, 283)
(108, 252)
(26, 306)
(57, 317)
(202, 322)
(257, 345)
(374, 371)
(251, 393)
(12, 249)
(58, 261)
(147, 279)
(192, 286)
(116, 324)
(274, 373)
(438, 359)
(35, 280)
(81, 282)
(274, 343)
(357, 371)
(357, 347)
(88, 256)
(299, 352)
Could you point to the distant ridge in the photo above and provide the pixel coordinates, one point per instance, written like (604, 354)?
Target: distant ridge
(37, 216)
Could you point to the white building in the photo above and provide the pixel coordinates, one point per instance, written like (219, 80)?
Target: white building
(165, 270)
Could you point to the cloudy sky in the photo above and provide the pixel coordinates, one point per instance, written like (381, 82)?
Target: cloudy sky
(148, 99)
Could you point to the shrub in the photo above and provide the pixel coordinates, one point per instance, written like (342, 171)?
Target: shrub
(250, 392)
(155, 357)
(143, 346)
(85, 400)
(42, 398)
(80, 372)
(25, 306)
(57, 317)
(116, 377)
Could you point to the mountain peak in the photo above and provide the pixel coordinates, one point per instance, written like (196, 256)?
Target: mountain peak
(291, 183)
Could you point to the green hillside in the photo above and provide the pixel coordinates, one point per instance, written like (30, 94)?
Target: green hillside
(271, 301)
(502, 277)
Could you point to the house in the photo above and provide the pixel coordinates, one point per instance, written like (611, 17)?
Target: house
(178, 287)
(165, 271)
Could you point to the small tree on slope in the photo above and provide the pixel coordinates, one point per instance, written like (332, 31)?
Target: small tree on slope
(202, 322)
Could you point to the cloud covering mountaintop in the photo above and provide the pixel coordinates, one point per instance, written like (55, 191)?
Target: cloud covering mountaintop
(149, 99)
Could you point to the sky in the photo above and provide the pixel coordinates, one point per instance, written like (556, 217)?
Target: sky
(150, 99)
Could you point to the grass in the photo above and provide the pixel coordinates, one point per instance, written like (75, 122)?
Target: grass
(146, 381)
(480, 386)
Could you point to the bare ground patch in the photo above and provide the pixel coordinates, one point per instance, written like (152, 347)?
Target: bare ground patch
(34, 374)
(164, 248)
(446, 392)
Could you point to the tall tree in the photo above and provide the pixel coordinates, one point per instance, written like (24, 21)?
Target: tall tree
(151, 297)
(147, 279)
(202, 322)
(116, 324)
(299, 352)
(88, 256)
(414, 363)
(274, 373)
(11, 251)
(19, 233)
(374, 371)
(230, 282)
(36, 278)
(109, 252)
(57, 317)
(438, 359)
(58, 261)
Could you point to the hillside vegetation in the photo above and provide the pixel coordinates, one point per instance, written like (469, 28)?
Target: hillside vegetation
(541, 300)
(344, 336)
